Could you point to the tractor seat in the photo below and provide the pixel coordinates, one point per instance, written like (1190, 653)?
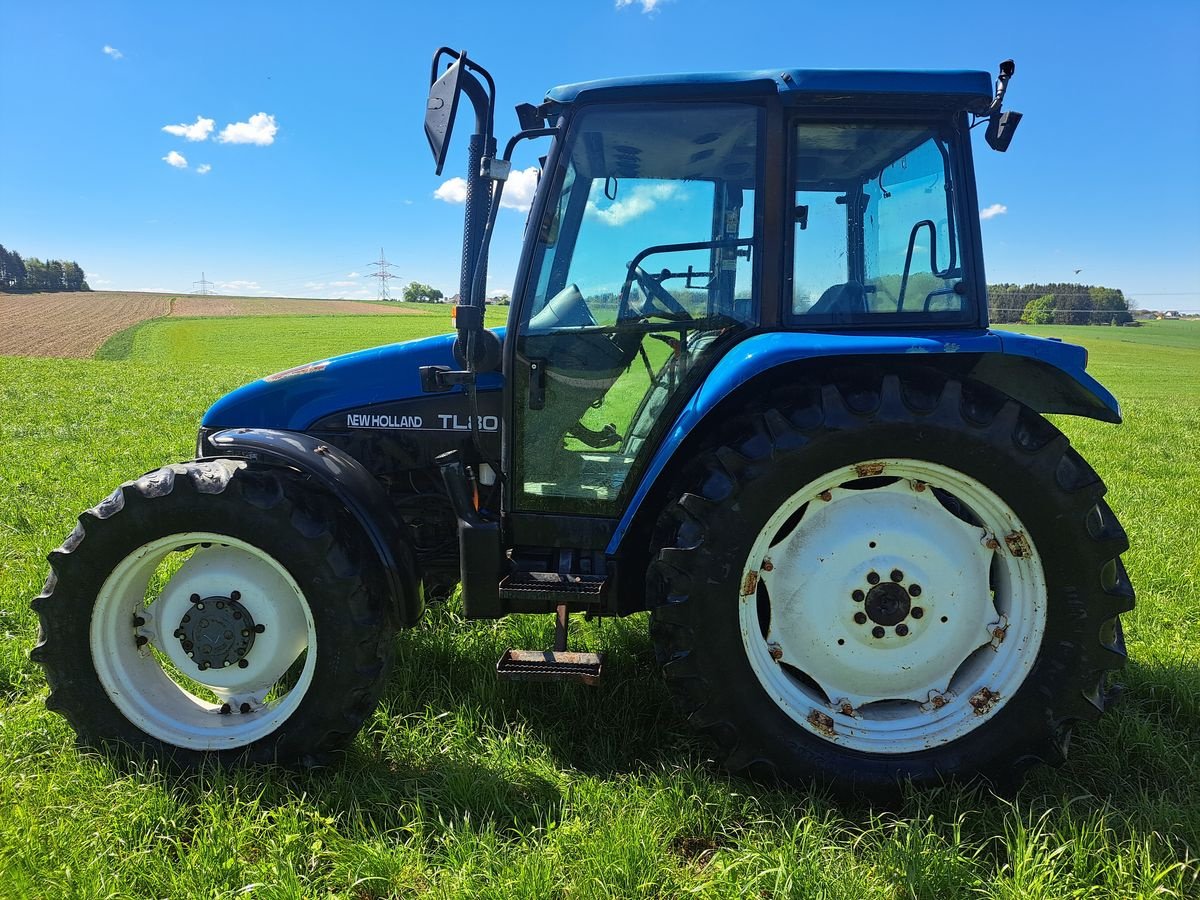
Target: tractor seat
(843, 299)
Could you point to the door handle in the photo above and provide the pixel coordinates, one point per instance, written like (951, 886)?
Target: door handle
(537, 384)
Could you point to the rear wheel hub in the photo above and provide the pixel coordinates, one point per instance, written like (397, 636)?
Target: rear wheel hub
(887, 604)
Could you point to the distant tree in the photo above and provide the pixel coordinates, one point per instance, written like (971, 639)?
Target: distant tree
(33, 274)
(1073, 308)
(1110, 305)
(416, 292)
(1039, 311)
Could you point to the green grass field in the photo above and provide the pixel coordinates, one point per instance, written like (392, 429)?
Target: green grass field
(462, 786)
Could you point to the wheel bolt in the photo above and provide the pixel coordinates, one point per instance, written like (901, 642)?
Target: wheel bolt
(138, 621)
(202, 665)
(917, 612)
(897, 575)
(877, 631)
(244, 708)
(226, 709)
(242, 663)
(199, 606)
(195, 598)
(259, 629)
(858, 596)
(141, 640)
(860, 618)
(914, 590)
(902, 629)
(873, 577)
(235, 595)
(187, 645)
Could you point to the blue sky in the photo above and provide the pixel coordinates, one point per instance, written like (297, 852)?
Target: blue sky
(1102, 176)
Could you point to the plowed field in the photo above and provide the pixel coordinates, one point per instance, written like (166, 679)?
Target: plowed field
(71, 324)
(76, 324)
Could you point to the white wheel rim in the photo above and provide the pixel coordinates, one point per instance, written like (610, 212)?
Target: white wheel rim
(154, 699)
(929, 677)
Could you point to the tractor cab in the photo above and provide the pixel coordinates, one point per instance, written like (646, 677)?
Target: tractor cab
(676, 217)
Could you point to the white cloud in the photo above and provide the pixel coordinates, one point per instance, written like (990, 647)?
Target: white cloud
(353, 275)
(452, 191)
(197, 131)
(178, 160)
(518, 191)
(203, 169)
(236, 288)
(113, 52)
(343, 283)
(648, 6)
(260, 130)
(996, 209)
(408, 203)
(640, 201)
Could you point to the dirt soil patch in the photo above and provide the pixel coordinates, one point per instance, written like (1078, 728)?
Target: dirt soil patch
(77, 324)
(71, 324)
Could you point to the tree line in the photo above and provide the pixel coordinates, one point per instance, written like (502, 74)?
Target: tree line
(1058, 303)
(33, 274)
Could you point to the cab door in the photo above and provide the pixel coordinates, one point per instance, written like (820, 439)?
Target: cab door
(644, 268)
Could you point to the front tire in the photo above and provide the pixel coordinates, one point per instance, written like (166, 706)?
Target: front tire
(876, 580)
(215, 609)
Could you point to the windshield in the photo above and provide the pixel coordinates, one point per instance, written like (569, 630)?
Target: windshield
(875, 236)
(644, 266)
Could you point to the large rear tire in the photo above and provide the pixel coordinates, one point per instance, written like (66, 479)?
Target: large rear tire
(877, 580)
(215, 609)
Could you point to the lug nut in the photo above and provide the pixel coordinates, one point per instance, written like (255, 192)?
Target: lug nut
(259, 629)
(141, 640)
(914, 590)
(897, 575)
(235, 595)
(195, 598)
(917, 612)
(138, 621)
(858, 596)
(873, 577)
(860, 618)
(202, 665)
(242, 663)
(226, 709)
(244, 708)
(902, 629)
(877, 631)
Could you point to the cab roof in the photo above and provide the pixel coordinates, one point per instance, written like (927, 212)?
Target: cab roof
(945, 90)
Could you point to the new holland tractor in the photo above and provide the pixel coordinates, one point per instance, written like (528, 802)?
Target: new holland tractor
(747, 384)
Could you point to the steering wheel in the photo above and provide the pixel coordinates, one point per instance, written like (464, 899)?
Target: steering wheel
(653, 290)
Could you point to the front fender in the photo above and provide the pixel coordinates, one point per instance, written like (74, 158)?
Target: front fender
(347, 480)
(1046, 375)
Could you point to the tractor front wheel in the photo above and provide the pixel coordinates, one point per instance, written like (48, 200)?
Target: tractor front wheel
(866, 582)
(215, 609)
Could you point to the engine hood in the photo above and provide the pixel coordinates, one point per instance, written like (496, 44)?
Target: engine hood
(295, 398)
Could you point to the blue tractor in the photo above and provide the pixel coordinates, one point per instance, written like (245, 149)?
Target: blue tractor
(747, 384)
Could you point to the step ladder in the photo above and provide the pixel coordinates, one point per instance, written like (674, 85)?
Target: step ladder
(558, 664)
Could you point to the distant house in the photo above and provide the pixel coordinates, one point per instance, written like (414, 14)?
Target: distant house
(1172, 314)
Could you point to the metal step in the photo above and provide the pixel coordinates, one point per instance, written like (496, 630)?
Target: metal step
(550, 665)
(553, 587)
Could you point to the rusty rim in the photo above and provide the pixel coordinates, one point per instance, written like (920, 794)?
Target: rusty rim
(892, 605)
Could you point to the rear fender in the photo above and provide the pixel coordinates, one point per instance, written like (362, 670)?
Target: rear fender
(1046, 375)
(347, 480)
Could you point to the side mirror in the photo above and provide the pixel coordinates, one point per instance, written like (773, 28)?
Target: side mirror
(1000, 130)
(440, 110)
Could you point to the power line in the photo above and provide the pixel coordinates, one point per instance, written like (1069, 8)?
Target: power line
(384, 274)
(205, 286)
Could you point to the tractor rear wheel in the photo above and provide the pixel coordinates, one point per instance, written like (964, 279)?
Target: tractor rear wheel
(215, 609)
(878, 580)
